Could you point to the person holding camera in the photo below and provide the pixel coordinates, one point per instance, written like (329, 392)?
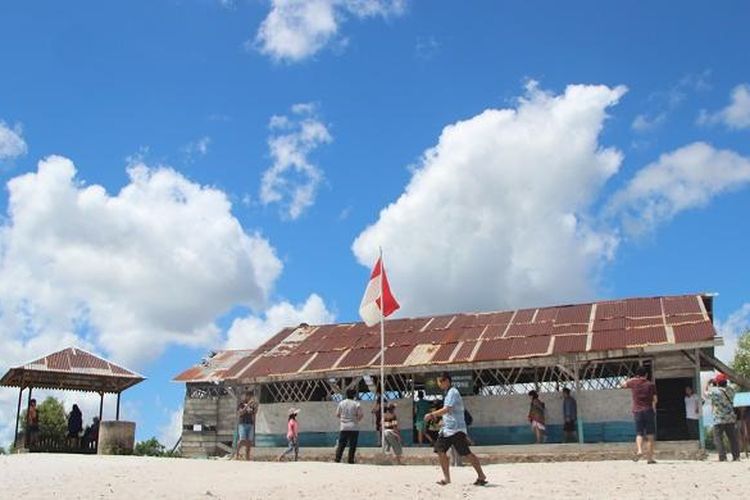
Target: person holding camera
(722, 405)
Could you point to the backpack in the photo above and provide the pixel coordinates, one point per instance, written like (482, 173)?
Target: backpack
(468, 418)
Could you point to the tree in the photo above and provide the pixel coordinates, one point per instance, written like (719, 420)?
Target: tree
(741, 362)
(149, 448)
(53, 423)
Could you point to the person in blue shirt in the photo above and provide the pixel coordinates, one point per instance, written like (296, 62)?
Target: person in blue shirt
(453, 432)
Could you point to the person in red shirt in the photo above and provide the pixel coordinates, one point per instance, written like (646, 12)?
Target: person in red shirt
(643, 392)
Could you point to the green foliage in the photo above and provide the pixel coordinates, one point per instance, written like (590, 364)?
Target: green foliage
(52, 420)
(149, 448)
(741, 362)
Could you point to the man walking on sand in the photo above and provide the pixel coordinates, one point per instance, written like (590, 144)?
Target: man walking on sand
(349, 413)
(643, 392)
(453, 432)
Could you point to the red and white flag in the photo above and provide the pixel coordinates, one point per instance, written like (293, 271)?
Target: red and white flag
(369, 308)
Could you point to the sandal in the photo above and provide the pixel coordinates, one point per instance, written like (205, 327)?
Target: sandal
(480, 482)
(443, 482)
(637, 457)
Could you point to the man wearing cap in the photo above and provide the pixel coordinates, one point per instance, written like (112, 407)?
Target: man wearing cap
(722, 405)
(453, 432)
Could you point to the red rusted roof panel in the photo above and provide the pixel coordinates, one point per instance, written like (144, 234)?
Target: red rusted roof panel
(397, 355)
(464, 352)
(646, 336)
(639, 308)
(324, 361)
(524, 316)
(573, 314)
(609, 324)
(494, 331)
(682, 305)
(529, 346)
(694, 332)
(685, 318)
(608, 340)
(529, 330)
(569, 343)
(546, 314)
(443, 354)
(611, 309)
(641, 322)
(566, 329)
(358, 358)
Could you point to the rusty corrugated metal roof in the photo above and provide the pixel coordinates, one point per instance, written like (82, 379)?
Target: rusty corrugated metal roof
(491, 336)
(72, 369)
(215, 367)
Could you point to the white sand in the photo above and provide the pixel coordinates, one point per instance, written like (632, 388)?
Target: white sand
(136, 478)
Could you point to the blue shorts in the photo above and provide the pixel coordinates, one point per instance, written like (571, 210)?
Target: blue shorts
(245, 432)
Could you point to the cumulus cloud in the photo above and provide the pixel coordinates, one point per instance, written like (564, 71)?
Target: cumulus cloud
(686, 178)
(736, 115)
(498, 213)
(730, 329)
(170, 432)
(293, 180)
(252, 330)
(12, 144)
(127, 273)
(646, 123)
(297, 29)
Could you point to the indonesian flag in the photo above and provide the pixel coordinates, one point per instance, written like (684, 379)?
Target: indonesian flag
(369, 308)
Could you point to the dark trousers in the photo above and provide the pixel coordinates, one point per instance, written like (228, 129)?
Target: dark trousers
(692, 428)
(731, 433)
(347, 438)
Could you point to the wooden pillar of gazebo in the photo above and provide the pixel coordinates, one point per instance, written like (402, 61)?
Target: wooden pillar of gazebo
(117, 412)
(18, 417)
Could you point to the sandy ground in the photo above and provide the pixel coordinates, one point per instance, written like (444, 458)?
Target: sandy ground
(136, 478)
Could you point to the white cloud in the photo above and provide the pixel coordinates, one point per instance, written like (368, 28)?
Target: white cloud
(646, 123)
(198, 147)
(686, 178)
(12, 144)
(172, 430)
(251, 331)
(128, 273)
(498, 213)
(735, 325)
(736, 115)
(297, 29)
(293, 180)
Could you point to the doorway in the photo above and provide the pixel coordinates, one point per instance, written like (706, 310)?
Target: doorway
(670, 410)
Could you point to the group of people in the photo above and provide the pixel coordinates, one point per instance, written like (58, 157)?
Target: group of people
(76, 437)
(451, 435)
(725, 418)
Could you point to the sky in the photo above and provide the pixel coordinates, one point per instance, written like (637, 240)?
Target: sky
(187, 175)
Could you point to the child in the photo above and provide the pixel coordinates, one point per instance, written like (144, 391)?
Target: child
(536, 417)
(292, 435)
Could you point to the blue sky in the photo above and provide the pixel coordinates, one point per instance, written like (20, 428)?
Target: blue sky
(360, 91)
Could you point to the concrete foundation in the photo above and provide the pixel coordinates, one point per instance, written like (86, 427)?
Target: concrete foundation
(116, 438)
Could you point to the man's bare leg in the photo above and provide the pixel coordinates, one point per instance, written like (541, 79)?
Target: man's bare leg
(445, 466)
(650, 447)
(474, 461)
(639, 445)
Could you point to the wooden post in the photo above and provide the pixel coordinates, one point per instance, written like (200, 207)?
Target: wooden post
(18, 417)
(117, 413)
(579, 420)
(28, 404)
(101, 410)
(699, 392)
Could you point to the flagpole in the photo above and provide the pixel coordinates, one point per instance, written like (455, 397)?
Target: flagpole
(382, 353)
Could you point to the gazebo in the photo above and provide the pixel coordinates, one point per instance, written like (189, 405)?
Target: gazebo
(71, 369)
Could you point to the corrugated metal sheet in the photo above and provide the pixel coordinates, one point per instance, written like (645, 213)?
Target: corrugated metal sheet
(569, 343)
(215, 367)
(618, 324)
(682, 305)
(694, 332)
(573, 314)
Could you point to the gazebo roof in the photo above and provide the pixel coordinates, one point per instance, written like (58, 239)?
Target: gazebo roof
(72, 369)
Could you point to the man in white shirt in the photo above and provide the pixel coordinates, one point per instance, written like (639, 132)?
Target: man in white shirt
(692, 412)
(349, 413)
(453, 432)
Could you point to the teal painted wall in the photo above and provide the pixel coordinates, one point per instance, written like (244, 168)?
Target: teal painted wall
(594, 432)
